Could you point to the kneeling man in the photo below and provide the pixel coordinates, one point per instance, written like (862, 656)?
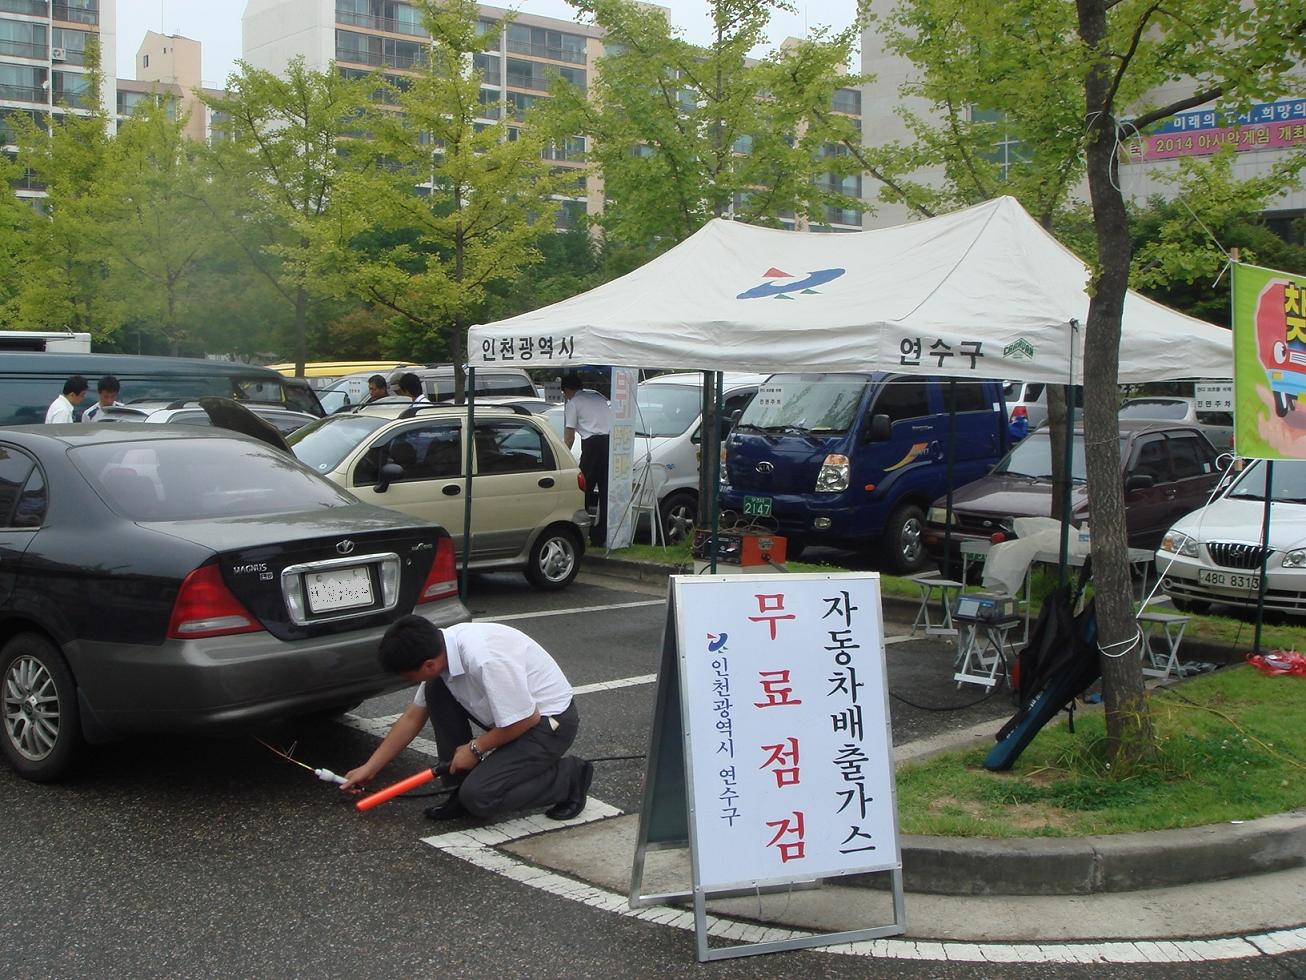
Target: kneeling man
(508, 684)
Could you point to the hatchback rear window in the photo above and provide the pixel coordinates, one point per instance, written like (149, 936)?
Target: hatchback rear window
(191, 479)
(324, 444)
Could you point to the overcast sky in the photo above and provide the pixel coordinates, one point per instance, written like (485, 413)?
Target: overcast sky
(216, 24)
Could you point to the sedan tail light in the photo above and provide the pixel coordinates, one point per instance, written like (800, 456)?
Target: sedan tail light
(442, 580)
(206, 607)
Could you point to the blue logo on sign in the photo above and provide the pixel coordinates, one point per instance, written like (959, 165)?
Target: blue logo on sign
(716, 641)
(780, 284)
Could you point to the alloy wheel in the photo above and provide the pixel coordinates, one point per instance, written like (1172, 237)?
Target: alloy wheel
(31, 708)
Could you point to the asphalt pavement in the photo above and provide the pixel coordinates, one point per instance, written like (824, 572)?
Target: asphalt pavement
(193, 857)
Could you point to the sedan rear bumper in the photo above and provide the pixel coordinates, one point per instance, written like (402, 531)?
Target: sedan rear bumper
(231, 682)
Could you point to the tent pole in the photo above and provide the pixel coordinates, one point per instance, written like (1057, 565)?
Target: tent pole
(713, 469)
(1265, 553)
(1063, 566)
(952, 452)
(467, 483)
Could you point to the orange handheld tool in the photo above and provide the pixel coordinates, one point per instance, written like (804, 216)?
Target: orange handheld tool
(403, 786)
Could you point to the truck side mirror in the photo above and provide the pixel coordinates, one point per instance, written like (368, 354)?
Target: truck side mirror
(389, 473)
(881, 430)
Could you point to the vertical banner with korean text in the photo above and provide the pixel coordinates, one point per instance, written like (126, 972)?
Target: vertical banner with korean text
(784, 698)
(1269, 338)
(621, 457)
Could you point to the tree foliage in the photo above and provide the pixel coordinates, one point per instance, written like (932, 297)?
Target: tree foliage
(683, 133)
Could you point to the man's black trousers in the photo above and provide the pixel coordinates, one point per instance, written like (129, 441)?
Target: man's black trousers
(594, 467)
(530, 772)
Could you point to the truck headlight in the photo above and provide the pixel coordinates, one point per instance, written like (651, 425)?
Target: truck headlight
(1176, 542)
(1295, 559)
(937, 515)
(833, 477)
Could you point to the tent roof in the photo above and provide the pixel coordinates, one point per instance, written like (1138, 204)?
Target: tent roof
(982, 292)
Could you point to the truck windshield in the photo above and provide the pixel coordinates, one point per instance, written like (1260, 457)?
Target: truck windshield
(666, 410)
(810, 403)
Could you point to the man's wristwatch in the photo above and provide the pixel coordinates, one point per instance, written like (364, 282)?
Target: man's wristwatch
(480, 756)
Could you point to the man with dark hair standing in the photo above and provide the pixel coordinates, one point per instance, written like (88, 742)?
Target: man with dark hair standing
(107, 389)
(61, 409)
(411, 385)
(376, 389)
(508, 684)
(587, 415)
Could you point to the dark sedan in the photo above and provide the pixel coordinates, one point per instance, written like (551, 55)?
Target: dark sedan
(161, 579)
(1170, 469)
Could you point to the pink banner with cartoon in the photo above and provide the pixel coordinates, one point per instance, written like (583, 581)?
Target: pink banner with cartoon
(1269, 336)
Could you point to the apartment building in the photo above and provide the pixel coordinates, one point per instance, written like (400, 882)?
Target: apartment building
(1264, 137)
(168, 66)
(43, 72)
(361, 36)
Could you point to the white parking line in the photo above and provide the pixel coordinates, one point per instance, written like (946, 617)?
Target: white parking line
(544, 614)
(614, 685)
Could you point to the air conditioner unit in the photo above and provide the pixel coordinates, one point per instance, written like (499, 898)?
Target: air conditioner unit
(58, 54)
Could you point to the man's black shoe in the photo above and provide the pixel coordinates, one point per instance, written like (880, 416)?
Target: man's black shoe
(573, 805)
(450, 809)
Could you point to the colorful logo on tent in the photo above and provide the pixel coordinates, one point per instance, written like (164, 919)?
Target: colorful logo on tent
(1019, 350)
(781, 284)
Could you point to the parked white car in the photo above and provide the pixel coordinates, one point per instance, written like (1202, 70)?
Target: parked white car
(668, 410)
(1213, 555)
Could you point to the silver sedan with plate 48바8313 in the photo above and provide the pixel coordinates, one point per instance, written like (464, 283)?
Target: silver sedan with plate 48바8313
(1214, 555)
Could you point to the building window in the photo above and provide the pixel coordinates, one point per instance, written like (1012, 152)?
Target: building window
(77, 11)
(847, 100)
(489, 65)
(536, 75)
(21, 83)
(21, 39)
(73, 90)
(539, 42)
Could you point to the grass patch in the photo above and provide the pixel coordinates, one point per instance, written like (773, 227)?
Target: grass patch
(1228, 749)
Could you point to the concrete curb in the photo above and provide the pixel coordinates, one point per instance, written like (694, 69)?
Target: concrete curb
(1092, 865)
(648, 572)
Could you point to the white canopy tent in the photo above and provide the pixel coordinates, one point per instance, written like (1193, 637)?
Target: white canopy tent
(985, 292)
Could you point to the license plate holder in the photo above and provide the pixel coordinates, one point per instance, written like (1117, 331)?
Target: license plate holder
(1236, 581)
(757, 507)
(339, 588)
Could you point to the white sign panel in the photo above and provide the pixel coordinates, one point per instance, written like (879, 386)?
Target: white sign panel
(1213, 396)
(789, 749)
(621, 458)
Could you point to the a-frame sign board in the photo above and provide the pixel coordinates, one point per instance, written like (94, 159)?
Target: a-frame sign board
(771, 756)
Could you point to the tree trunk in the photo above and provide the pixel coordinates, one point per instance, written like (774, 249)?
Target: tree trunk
(1130, 738)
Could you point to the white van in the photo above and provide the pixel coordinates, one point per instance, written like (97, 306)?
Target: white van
(668, 410)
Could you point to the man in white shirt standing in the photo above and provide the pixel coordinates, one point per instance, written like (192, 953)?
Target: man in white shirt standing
(106, 389)
(587, 415)
(61, 409)
(505, 682)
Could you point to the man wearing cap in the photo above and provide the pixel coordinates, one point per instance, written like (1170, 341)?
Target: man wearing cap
(587, 415)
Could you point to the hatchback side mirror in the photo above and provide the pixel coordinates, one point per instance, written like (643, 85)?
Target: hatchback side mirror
(881, 429)
(1139, 481)
(389, 473)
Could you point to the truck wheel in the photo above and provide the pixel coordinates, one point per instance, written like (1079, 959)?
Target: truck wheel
(678, 511)
(42, 729)
(1281, 404)
(904, 540)
(554, 559)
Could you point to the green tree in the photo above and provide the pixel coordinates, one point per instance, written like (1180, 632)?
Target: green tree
(683, 133)
(62, 278)
(448, 206)
(1098, 66)
(277, 165)
(155, 228)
